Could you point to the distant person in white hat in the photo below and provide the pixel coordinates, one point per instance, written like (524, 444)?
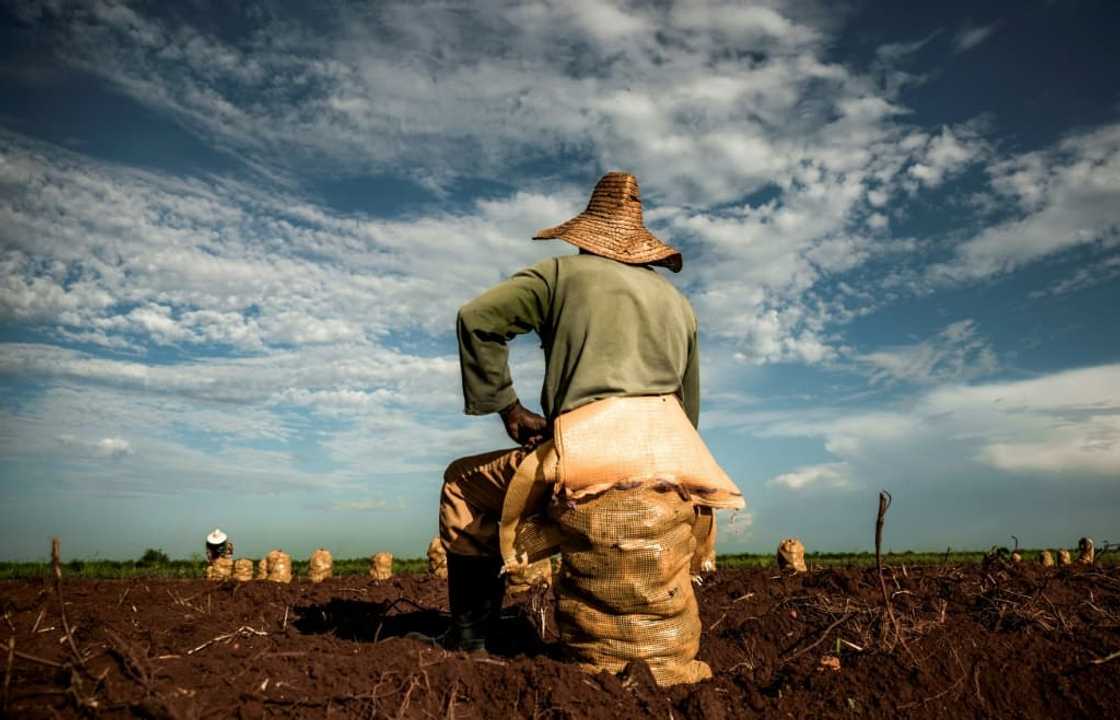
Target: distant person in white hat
(218, 545)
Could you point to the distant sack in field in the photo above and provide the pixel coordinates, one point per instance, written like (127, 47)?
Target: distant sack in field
(1085, 551)
(263, 565)
(220, 569)
(279, 567)
(437, 558)
(381, 566)
(243, 570)
(1046, 558)
(319, 568)
(791, 555)
(1063, 557)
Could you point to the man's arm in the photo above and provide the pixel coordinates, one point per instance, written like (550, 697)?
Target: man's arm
(486, 324)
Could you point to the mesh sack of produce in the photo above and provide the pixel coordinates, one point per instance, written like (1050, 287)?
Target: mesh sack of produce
(262, 569)
(319, 567)
(1046, 558)
(791, 555)
(279, 567)
(626, 593)
(220, 569)
(437, 558)
(381, 566)
(1086, 553)
(525, 578)
(243, 570)
(1064, 557)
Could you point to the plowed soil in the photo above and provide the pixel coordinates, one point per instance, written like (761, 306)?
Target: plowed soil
(997, 641)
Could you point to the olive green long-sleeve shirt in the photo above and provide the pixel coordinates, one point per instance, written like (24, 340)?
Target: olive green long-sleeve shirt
(608, 329)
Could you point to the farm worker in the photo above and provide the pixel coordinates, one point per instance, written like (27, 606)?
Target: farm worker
(610, 327)
(218, 545)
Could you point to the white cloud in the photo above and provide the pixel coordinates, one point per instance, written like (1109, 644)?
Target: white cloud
(827, 475)
(1065, 197)
(958, 352)
(1065, 425)
(113, 447)
(969, 37)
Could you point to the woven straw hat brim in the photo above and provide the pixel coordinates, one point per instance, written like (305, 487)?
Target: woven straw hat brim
(612, 226)
(619, 241)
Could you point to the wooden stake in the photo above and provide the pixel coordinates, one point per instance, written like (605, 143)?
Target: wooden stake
(56, 567)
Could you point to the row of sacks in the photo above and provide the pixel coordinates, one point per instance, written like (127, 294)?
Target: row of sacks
(1086, 555)
(276, 566)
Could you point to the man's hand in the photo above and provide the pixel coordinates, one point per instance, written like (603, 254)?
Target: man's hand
(525, 427)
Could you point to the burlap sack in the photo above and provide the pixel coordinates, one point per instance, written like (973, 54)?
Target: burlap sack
(220, 569)
(1046, 558)
(381, 566)
(791, 555)
(279, 567)
(1064, 558)
(524, 579)
(437, 558)
(319, 567)
(243, 570)
(625, 593)
(266, 561)
(1086, 552)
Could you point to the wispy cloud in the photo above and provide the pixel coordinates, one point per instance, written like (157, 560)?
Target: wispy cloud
(969, 36)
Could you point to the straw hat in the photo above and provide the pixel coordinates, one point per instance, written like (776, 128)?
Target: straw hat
(216, 538)
(611, 226)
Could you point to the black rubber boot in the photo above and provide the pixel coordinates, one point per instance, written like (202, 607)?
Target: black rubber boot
(474, 591)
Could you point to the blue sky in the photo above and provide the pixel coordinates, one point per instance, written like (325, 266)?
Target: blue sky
(232, 244)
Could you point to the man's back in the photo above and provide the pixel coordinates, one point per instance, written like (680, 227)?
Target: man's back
(608, 329)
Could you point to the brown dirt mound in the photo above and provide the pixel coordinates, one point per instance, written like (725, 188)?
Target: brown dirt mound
(1002, 641)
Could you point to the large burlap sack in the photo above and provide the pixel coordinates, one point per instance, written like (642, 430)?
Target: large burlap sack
(526, 578)
(220, 569)
(381, 566)
(626, 593)
(791, 555)
(319, 567)
(1086, 553)
(243, 570)
(279, 567)
(1046, 558)
(437, 558)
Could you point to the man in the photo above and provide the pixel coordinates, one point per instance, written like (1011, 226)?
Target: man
(609, 325)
